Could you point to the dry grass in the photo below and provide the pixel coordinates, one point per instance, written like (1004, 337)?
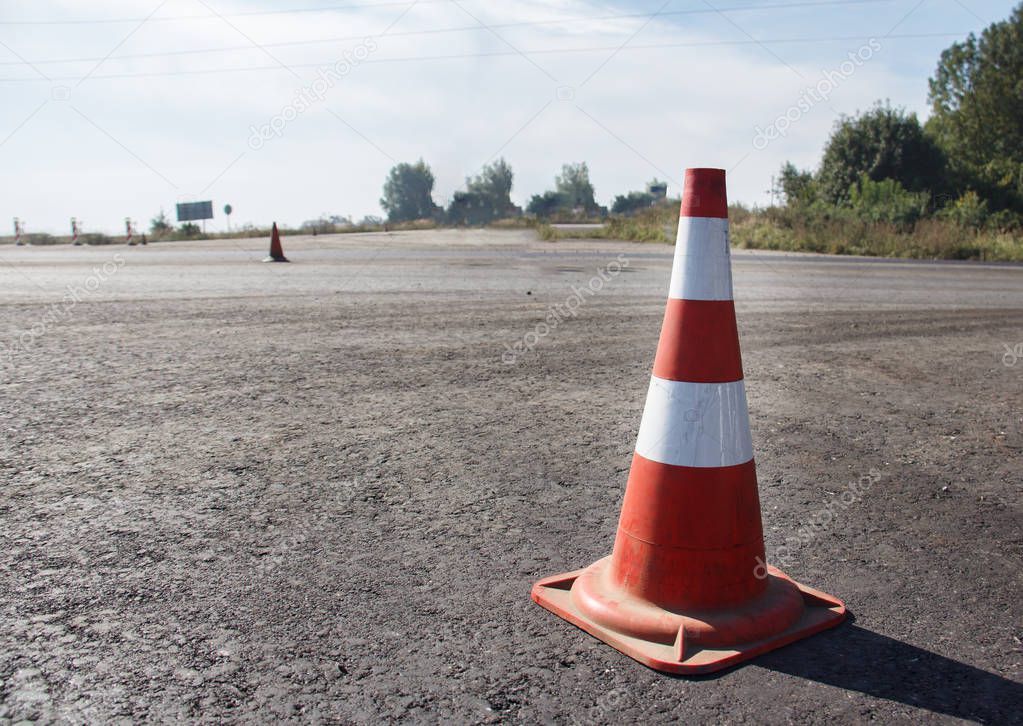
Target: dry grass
(842, 234)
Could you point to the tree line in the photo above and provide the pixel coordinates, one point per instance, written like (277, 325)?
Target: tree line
(965, 164)
(408, 196)
(881, 166)
(882, 172)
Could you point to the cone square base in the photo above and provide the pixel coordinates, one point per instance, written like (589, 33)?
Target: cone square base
(821, 611)
(276, 259)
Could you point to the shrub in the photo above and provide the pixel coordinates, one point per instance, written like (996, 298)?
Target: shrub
(95, 238)
(631, 202)
(969, 210)
(886, 201)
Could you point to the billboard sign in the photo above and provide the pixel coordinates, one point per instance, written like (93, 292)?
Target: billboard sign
(191, 211)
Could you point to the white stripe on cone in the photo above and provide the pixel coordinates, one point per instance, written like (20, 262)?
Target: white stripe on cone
(695, 424)
(703, 268)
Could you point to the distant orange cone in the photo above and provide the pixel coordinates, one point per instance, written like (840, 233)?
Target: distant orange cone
(276, 253)
(687, 588)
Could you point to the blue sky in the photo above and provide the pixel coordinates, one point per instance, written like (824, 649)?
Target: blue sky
(115, 108)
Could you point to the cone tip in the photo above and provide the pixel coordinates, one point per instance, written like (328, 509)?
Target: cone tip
(703, 193)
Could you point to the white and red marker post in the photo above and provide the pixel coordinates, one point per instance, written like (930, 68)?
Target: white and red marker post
(17, 232)
(129, 231)
(74, 232)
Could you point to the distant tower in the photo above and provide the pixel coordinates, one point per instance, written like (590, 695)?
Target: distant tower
(657, 190)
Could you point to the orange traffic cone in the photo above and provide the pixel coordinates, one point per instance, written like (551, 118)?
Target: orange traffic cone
(687, 589)
(276, 252)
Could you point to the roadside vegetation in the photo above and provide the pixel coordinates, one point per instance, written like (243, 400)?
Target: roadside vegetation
(886, 185)
(830, 231)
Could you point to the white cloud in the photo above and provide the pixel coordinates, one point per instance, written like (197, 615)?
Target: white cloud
(677, 107)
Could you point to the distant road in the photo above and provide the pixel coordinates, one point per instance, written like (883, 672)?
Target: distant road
(491, 261)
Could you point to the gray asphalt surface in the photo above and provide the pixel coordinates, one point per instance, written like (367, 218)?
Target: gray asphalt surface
(320, 492)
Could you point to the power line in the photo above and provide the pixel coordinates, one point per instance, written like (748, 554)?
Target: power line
(332, 9)
(459, 29)
(495, 54)
(214, 16)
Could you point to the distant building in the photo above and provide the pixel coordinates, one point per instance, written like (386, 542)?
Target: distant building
(658, 190)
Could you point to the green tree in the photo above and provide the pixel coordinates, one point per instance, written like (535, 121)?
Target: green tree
(494, 185)
(572, 195)
(190, 229)
(487, 196)
(632, 202)
(976, 98)
(795, 186)
(408, 193)
(575, 189)
(470, 208)
(967, 211)
(883, 143)
(887, 201)
(656, 193)
(159, 225)
(545, 205)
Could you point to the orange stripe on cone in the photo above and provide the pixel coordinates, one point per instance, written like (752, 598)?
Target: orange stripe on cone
(687, 588)
(711, 322)
(702, 555)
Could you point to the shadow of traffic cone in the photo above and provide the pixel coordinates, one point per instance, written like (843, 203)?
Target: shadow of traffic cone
(276, 253)
(686, 588)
